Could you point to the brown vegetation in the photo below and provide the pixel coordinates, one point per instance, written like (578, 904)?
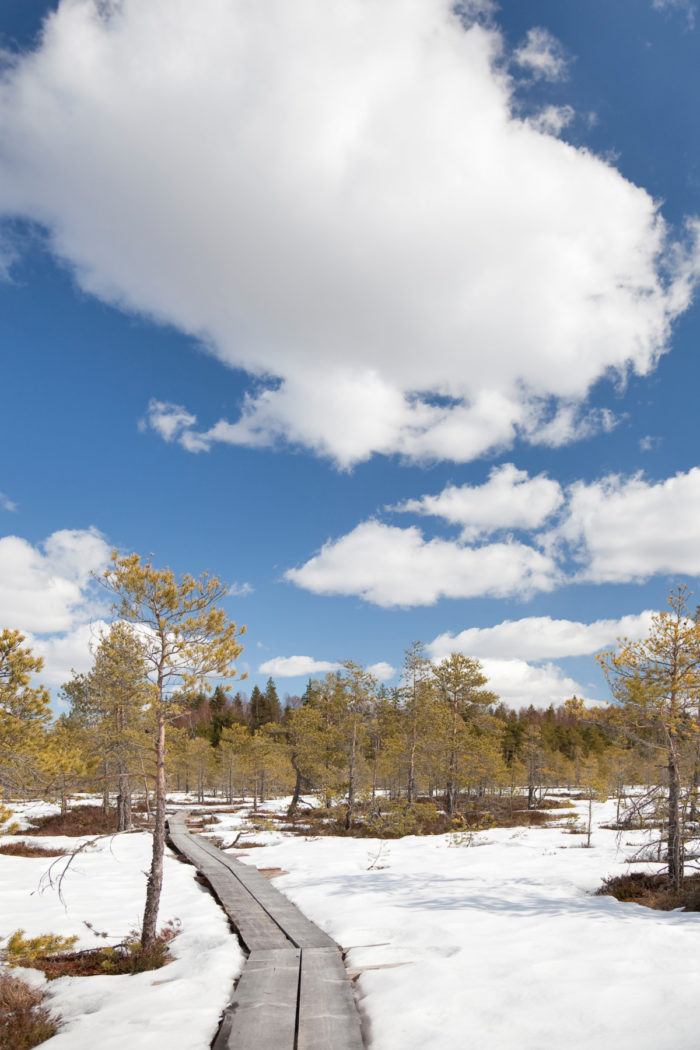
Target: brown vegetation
(26, 849)
(386, 819)
(82, 820)
(653, 891)
(126, 958)
(24, 1021)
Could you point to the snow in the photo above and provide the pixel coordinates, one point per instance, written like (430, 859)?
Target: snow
(177, 1006)
(461, 941)
(497, 943)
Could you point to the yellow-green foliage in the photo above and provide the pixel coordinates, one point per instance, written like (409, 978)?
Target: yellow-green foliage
(7, 825)
(131, 957)
(393, 820)
(21, 950)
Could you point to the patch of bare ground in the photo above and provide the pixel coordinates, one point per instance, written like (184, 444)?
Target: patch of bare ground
(653, 891)
(82, 820)
(24, 1021)
(27, 849)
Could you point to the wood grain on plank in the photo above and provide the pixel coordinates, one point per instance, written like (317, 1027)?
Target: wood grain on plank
(263, 1013)
(328, 1016)
(299, 929)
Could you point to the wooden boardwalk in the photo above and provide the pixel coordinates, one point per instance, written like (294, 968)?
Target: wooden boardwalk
(294, 993)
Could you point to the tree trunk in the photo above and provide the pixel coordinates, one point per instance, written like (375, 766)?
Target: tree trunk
(694, 786)
(155, 876)
(124, 801)
(675, 843)
(351, 778)
(105, 788)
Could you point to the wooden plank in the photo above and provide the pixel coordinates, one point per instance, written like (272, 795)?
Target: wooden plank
(254, 926)
(328, 1017)
(300, 930)
(262, 1015)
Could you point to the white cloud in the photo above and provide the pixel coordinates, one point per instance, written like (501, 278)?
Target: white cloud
(46, 588)
(338, 196)
(510, 499)
(296, 666)
(615, 529)
(519, 684)
(240, 590)
(167, 419)
(6, 503)
(553, 119)
(625, 529)
(539, 638)
(542, 55)
(383, 671)
(685, 6)
(63, 654)
(392, 566)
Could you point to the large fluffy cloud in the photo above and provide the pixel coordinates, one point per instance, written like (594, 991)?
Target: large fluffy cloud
(621, 529)
(337, 196)
(539, 638)
(519, 684)
(510, 499)
(613, 530)
(391, 566)
(46, 589)
(66, 653)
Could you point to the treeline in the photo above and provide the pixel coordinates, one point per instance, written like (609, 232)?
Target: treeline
(441, 734)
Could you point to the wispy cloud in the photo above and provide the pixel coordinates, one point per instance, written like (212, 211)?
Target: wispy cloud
(6, 503)
(240, 590)
(686, 7)
(542, 55)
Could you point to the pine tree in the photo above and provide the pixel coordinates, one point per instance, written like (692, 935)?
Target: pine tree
(459, 683)
(25, 711)
(271, 704)
(657, 682)
(110, 700)
(186, 639)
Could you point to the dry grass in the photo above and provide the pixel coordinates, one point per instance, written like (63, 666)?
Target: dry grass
(82, 820)
(653, 891)
(125, 958)
(26, 849)
(24, 1021)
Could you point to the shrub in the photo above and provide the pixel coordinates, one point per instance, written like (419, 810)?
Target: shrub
(24, 1022)
(125, 958)
(24, 951)
(653, 891)
(82, 820)
(25, 849)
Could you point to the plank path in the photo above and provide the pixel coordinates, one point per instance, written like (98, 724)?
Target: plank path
(294, 993)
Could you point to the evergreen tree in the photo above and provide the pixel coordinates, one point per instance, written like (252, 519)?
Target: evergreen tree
(187, 639)
(110, 702)
(25, 711)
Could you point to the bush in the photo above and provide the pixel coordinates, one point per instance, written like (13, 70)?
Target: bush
(25, 849)
(82, 820)
(125, 958)
(653, 891)
(24, 1022)
(24, 951)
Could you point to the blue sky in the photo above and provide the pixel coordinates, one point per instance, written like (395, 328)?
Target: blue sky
(385, 314)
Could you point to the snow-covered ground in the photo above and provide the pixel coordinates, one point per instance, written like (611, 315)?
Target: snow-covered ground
(178, 1006)
(493, 940)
